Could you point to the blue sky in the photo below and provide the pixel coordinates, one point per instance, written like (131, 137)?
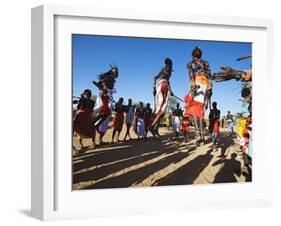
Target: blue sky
(140, 59)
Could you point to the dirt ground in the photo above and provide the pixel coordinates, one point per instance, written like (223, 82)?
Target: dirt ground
(138, 163)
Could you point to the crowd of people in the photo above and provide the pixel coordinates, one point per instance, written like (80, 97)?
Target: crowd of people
(138, 118)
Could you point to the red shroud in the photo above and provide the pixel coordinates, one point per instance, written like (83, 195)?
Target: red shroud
(82, 123)
(118, 121)
(193, 108)
(105, 107)
(185, 126)
(216, 127)
(147, 121)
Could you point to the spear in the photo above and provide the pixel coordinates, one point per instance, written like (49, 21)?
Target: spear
(244, 57)
(177, 98)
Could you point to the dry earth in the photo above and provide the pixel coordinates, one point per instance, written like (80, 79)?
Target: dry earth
(154, 163)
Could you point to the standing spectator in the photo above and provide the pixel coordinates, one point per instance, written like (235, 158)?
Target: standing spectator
(118, 119)
(139, 121)
(147, 118)
(214, 118)
(129, 109)
(177, 115)
(229, 122)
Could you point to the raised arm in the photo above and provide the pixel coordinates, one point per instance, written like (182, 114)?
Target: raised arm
(190, 73)
(207, 69)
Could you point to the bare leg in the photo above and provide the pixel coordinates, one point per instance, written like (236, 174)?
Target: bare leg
(125, 136)
(197, 132)
(81, 143)
(146, 131)
(156, 134)
(128, 125)
(100, 139)
(211, 127)
(113, 135)
(215, 140)
(153, 126)
(186, 138)
(246, 159)
(93, 143)
(118, 134)
(155, 121)
(159, 115)
(201, 129)
(177, 136)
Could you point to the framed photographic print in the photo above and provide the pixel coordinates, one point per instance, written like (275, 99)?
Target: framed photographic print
(137, 112)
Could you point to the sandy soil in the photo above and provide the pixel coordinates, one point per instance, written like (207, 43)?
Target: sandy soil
(154, 163)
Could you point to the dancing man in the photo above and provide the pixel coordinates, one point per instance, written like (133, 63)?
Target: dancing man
(104, 100)
(198, 98)
(82, 120)
(161, 94)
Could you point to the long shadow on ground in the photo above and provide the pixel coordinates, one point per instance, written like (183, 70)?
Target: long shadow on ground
(188, 172)
(225, 141)
(127, 156)
(138, 175)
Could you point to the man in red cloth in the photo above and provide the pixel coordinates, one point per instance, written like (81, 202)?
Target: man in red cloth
(198, 98)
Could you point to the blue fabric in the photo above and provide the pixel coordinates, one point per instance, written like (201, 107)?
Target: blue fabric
(250, 149)
(245, 111)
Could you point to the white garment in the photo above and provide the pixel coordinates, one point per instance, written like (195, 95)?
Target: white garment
(140, 128)
(176, 123)
(104, 125)
(229, 124)
(130, 115)
(159, 105)
(99, 103)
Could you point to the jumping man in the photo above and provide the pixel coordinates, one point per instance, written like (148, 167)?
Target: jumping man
(161, 93)
(200, 92)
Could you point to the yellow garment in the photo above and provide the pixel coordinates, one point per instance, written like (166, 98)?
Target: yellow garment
(241, 125)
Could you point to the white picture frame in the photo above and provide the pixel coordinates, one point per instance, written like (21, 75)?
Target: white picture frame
(52, 197)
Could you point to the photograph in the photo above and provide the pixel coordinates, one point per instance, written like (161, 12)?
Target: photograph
(159, 112)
